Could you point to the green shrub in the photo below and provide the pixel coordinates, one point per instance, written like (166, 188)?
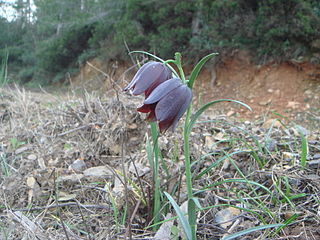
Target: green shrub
(57, 54)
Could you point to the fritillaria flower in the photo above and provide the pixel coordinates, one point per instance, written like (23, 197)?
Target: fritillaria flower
(148, 77)
(167, 103)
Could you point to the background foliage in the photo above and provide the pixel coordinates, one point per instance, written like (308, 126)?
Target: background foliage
(50, 38)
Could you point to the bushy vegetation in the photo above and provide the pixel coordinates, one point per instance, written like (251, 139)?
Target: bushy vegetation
(60, 34)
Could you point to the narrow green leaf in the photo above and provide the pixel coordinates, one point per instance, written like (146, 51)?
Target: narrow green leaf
(286, 223)
(196, 201)
(197, 68)
(304, 148)
(184, 221)
(214, 164)
(206, 106)
(240, 180)
(250, 230)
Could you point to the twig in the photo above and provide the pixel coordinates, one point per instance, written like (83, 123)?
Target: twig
(83, 220)
(104, 74)
(74, 130)
(68, 204)
(58, 209)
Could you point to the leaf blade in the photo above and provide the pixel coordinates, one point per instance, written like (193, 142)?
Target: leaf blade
(184, 221)
(197, 69)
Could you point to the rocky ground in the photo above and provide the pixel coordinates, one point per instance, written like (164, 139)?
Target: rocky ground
(74, 165)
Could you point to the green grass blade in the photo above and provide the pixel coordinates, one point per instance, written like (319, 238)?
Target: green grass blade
(286, 223)
(216, 163)
(304, 148)
(239, 180)
(197, 69)
(250, 230)
(184, 221)
(206, 106)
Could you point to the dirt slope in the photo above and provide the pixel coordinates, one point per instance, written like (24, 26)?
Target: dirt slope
(289, 88)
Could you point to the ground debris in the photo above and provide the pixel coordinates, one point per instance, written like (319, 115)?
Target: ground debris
(85, 157)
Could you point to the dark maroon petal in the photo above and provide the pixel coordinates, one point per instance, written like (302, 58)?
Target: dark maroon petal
(145, 108)
(151, 74)
(152, 116)
(188, 98)
(137, 76)
(171, 107)
(165, 75)
(162, 90)
(164, 125)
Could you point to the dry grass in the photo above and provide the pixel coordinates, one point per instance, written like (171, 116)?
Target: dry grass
(45, 192)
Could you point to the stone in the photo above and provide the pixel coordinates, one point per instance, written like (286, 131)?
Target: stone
(32, 157)
(265, 103)
(293, 104)
(272, 123)
(230, 113)
(270, 90)
(224, 217)
(100, 171)
(78, 165)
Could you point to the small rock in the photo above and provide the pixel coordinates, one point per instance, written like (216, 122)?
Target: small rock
(31, 181)
(293, 105)
(316, 156)
(230, 113)
(314, 163)
(133, 126)
(62, 196)
(78, 165)
(100, 171)
(289, 155)
(271, 144)
(272, 122)
(265, 103)
(21, 149)
(32, 157)
(225, 216)
(234, 130)
(308, 92)
(209, 141)
(73, 178)
(164, 232)
(270, 90)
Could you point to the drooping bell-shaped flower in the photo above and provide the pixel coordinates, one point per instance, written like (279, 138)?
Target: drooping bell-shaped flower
(167, 103)
(148, 77)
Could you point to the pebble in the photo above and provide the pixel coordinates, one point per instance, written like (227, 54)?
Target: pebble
(78, 165)
(32, 157)
(271, 144)
(272, 123)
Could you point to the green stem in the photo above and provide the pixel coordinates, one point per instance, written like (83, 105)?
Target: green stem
(156, 178)
(179, 65)
(191, 203)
